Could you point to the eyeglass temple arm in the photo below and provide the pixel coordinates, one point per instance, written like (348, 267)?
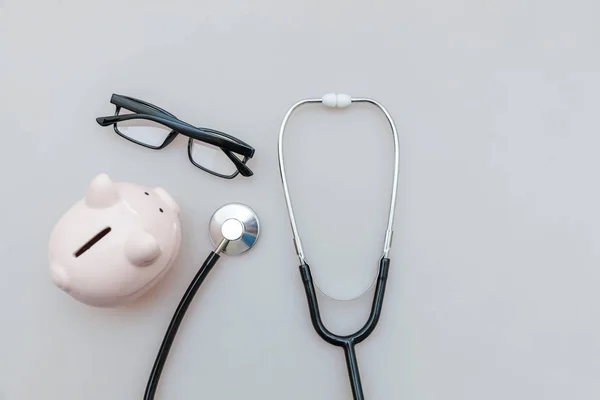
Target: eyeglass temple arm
(142, 107)
(185, 129)
(241, 167)
(138, 106)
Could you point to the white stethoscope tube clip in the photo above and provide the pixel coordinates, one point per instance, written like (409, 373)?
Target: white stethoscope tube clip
(336, 100)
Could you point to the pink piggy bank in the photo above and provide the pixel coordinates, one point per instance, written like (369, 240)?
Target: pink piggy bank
(116, 243)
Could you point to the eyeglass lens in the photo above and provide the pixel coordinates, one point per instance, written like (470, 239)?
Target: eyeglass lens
(142, 131)
(211, 158)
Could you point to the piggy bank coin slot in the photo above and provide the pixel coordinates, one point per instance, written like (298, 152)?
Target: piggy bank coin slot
(92, 241)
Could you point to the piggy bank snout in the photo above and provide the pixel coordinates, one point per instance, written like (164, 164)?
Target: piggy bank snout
(142, 248)
(166, 197)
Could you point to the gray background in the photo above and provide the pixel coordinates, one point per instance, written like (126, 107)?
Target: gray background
(493, 292)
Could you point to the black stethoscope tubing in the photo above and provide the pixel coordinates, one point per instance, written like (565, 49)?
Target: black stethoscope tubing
(347, 342)
(176, 320)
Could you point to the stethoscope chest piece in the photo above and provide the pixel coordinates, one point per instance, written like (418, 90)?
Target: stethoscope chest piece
(233, 230)
(238, 224)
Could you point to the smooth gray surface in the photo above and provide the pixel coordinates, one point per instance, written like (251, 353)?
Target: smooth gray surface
(493, 291)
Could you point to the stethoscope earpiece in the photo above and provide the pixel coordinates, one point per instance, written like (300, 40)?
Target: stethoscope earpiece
(234, 229)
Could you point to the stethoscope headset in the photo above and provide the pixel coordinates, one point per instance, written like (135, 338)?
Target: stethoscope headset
(346, 342)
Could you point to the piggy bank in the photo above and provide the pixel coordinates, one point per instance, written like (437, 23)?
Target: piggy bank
(115, 244)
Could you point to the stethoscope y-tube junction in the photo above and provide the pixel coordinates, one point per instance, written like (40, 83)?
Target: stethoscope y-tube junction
(347, 342)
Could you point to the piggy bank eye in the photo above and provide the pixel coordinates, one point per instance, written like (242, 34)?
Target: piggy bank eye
(147, 194)
(161, 210)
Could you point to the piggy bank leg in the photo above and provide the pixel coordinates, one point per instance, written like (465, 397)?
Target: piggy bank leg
(142, 249)
(59, 276)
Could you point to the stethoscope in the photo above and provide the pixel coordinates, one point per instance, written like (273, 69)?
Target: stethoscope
(347, 342)
(233, 230)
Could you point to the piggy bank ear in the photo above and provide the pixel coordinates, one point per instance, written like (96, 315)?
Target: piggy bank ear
(102, 192)
(166, 197)
(142, 248)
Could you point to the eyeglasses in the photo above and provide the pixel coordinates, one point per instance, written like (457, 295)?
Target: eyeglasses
(150, 126)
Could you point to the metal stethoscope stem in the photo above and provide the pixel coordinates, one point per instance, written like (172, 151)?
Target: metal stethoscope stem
(389, 231)
(346, 342)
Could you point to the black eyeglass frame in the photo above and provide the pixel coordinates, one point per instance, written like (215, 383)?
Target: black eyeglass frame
(144, 110)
